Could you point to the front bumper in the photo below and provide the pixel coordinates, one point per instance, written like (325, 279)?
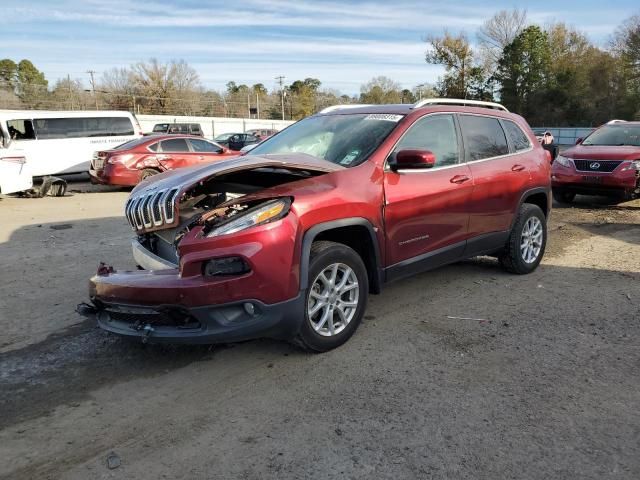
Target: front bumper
(231, 322)
(572, 180)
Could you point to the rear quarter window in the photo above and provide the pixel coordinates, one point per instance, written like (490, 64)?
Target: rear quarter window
(519, 140)
(483, 137)
(174, 145)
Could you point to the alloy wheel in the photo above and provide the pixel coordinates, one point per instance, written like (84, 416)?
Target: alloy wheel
(333, 299)
(531, 239)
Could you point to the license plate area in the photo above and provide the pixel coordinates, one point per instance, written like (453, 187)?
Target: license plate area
(98, 163)
(592, 179)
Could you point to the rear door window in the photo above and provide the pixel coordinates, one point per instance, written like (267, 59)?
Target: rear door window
(518, 139)
(174, 145)
(434, 133)
(483, 137)
(202, 146)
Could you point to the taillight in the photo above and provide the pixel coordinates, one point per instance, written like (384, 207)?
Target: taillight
(120, 158)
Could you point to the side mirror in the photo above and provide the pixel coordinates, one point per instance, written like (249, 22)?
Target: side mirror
(579, 141)
(412, 160)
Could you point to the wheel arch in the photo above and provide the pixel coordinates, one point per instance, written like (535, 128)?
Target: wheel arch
(357, 233)
(540, 196)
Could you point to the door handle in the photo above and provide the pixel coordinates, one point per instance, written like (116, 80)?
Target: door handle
(459, 179)
(518, 168)
(200, 157)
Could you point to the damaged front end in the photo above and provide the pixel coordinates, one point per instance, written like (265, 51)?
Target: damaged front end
(215, 247)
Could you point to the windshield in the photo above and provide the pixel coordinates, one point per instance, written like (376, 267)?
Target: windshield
(615, 135)
(224, 136)
(347, 140)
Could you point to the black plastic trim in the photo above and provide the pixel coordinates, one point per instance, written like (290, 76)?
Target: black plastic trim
(312, 233)
(533, 191)
(229, 322)
(426, 261)
(486, 244)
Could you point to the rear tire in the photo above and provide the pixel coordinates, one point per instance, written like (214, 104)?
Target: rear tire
(561, 196)
(336, 297)
(527, 241)
(148, 172)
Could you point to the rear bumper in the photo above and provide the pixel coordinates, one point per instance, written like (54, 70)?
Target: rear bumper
(231, 322)
(115, 174)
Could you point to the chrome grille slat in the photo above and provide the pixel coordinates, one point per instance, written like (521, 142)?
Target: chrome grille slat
(167, 205)
(137, 213)
(152, 209)
(127, 213)
(146, 212)
(156, 212)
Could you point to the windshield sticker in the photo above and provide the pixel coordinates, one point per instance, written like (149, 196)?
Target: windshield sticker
(350, 157)
(384, 116)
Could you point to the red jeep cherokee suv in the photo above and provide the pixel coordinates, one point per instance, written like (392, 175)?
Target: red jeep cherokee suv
(288, 242)
(607, 162)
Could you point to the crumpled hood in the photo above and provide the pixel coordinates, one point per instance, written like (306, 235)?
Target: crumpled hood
(154, 204)
(186, 177)
(595, 152)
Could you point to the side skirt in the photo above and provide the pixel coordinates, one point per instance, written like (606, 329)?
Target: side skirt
(480, 245)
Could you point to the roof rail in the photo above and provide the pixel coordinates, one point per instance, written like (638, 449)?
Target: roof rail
(610, 122)
(459, 101)
(340, 107)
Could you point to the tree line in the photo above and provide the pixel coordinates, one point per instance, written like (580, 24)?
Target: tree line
(552, 75)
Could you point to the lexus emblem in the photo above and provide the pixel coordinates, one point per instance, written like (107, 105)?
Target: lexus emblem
(594, 166)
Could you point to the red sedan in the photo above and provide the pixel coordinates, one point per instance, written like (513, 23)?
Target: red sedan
(130, 163)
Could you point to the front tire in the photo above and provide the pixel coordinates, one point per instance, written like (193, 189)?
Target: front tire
(527, 241)
(561, 196)
(336, 297)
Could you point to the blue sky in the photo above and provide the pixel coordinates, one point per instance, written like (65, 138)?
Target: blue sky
(344, 44)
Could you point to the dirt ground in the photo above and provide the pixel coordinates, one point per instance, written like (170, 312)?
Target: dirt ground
(545, 383)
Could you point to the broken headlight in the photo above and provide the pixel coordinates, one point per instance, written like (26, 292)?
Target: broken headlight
(259, 215)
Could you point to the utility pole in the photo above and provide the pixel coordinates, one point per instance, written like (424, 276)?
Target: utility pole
(93, 86)
(258, 104)
(70, 90)
(280, 81)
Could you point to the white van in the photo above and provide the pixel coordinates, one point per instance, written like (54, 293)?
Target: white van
(64, 141)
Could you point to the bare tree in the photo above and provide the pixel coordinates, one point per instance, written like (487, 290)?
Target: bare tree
(498, 32)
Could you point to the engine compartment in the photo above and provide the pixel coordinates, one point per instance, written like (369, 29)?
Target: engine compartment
(212, 202)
